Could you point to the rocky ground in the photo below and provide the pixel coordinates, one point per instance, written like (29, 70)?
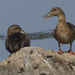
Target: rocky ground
(37, 61)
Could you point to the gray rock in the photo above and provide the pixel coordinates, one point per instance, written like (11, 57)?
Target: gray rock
(37, 61)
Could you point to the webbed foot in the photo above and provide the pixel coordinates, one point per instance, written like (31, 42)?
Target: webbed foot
(60, 52)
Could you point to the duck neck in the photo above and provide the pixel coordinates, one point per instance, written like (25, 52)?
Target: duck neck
(62, 17)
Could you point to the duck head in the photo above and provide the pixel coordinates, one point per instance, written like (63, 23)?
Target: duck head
(54, 12)
(15, 29)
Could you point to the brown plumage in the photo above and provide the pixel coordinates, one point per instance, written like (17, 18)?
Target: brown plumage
(64, 32)
(16, 39)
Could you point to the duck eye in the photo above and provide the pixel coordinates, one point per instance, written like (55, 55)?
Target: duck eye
(54, 9)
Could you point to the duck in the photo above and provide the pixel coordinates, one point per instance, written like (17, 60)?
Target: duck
(16, 39)
(64, 32)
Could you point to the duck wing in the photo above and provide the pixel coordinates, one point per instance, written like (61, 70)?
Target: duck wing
(71, 26)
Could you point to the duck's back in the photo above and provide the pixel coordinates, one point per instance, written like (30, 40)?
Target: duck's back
(16, 41)
(71, 26)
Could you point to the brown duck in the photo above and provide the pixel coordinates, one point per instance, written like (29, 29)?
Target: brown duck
(16, 39)
(64, 32)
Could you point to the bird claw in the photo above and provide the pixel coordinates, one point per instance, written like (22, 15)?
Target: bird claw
(60, 52)
(72, 52)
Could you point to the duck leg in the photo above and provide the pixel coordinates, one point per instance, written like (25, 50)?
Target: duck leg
(60, 52)
(70, 51)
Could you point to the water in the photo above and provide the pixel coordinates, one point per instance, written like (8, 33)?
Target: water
(28, 14)
(47, 43)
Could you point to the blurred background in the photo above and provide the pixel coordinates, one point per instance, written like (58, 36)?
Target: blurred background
(28, 14)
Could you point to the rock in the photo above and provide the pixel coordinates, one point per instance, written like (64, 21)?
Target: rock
(37, 61)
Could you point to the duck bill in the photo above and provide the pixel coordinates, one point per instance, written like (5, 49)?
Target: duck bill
(47, 16)
(23, 32)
